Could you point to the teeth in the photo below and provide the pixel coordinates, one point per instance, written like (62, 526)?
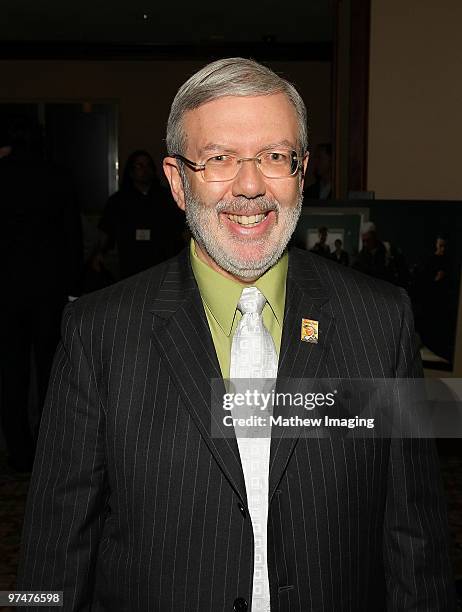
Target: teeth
(246, 220)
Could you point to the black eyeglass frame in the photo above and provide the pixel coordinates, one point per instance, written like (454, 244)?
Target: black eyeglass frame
(201, 167)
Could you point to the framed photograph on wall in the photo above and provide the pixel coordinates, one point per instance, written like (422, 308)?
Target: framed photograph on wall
(341, 223)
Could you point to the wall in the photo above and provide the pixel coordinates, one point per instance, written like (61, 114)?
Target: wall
(415, 99)
(144, 91)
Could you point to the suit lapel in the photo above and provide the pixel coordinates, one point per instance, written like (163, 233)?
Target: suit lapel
(306, 298)
(182, 335)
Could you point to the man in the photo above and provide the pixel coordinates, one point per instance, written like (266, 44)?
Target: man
(340, 255)
(372, 258)
(321, 247)
(135, 504)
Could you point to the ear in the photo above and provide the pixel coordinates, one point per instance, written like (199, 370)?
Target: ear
(306, 157)
(171, 171)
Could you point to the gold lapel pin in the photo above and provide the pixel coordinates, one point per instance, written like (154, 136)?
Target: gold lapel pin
(310, 331)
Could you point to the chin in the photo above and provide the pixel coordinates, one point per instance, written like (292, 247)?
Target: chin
(248, 264)
(250, 256)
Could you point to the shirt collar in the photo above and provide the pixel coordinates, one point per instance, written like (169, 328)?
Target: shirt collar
(221, 294)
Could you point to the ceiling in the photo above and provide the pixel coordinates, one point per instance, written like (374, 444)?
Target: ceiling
(167, 23)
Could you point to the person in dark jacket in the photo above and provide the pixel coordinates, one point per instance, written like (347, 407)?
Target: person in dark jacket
(140, 220)
(321, 163)
(148, 501)
(340, 255)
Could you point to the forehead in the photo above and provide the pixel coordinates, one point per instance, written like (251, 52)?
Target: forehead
(241, 124)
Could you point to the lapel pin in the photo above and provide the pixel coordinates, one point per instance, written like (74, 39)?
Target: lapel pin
(310, 331)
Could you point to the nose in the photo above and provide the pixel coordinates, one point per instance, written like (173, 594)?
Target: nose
(249, 181)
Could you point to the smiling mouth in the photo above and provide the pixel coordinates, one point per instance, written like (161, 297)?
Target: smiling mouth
(248, 220)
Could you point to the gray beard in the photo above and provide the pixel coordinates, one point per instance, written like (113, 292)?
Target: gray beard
(198, 215)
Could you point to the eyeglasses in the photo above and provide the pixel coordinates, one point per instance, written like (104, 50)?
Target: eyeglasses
(281, 163)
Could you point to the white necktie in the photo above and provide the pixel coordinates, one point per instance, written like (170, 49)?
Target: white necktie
(253, 355)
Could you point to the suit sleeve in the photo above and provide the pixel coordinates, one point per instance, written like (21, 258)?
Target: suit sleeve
(416, 546)
(68, 493)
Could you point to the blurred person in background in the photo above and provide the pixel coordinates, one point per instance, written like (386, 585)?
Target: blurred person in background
(140, 220)
(436, 300)
(340, 255)
(321, 163)
(372, 258)
(321, 247)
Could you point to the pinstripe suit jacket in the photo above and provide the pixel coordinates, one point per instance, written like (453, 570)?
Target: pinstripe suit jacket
(134, 506)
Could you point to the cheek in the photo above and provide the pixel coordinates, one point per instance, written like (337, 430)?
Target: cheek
(210, 193)
(288, 196)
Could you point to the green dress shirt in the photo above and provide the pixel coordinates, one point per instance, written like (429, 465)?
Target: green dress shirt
(220, 296)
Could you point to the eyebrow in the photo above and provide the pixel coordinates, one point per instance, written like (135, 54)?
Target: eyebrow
(213, 146)
(280, 143)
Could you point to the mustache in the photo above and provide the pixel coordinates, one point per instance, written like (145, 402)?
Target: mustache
(242, 205)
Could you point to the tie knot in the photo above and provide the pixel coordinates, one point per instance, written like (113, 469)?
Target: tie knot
(251, 301)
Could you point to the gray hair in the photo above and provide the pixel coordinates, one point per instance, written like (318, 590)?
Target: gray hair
(233, 76)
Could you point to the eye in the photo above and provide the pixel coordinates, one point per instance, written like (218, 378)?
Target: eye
(219, 159)
(277, 156)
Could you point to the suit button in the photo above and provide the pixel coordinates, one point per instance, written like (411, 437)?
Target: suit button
(240, 605)
(244, 514)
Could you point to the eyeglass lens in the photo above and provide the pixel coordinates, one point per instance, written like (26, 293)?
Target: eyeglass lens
(272, 164)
